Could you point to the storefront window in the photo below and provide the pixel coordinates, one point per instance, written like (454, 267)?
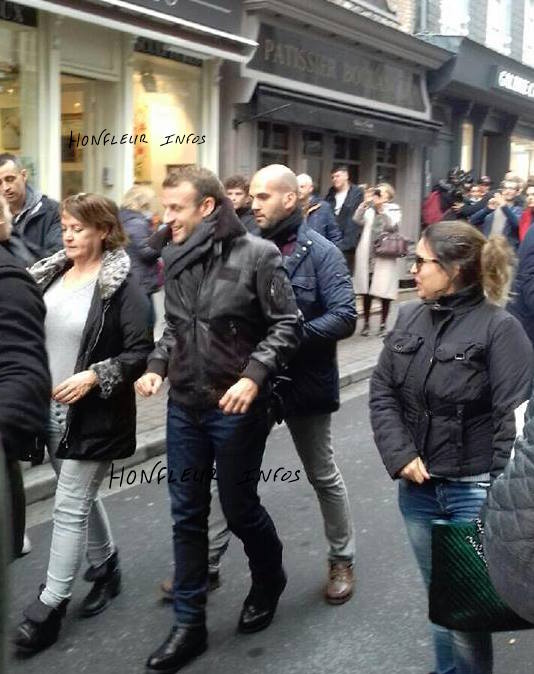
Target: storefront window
(18, 94)
(348, 151)
(522, 156)
(167, 109)
(273, 144)
(386, 162)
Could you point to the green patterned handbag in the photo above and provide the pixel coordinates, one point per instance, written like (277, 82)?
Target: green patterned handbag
(461, 595)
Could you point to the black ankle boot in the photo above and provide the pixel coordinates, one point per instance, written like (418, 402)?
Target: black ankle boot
(40, 627)
(182, 645)
(107, 584)
(260, 605)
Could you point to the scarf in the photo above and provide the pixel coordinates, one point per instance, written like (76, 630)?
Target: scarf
(178, 257)
(284, 232)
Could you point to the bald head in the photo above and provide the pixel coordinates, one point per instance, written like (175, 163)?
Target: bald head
(274, 193)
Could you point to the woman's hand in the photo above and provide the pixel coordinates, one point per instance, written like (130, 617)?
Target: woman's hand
(149, 384)
(415, 471)
(74, 388)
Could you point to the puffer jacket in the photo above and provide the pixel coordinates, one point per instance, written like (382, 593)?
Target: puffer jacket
(509, 525)
(115, 344)
(446, 385)
(238, 318)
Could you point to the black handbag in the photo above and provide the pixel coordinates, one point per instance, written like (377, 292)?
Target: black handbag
(461, 595)
(391, 245)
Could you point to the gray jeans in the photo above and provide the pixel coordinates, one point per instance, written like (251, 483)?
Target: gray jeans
(313, 441)
(79, 521)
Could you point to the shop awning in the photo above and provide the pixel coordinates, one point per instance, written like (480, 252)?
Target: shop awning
(278, 105)
(163, 22)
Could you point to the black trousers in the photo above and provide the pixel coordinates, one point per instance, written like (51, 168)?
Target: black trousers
(15, 505)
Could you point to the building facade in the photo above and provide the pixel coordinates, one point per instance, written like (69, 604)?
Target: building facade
(329, 85)
(483, 96)
(94, 98)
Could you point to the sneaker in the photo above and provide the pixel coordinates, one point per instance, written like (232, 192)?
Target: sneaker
(365, 330)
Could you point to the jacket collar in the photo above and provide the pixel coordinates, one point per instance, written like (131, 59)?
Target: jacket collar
(113, 272)
(459, 302)
(227, 224)
(32, 203)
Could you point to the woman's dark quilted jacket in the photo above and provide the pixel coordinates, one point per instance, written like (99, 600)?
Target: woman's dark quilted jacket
(509, 525)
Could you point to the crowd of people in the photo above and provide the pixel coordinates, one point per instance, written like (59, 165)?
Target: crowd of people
(260, 282)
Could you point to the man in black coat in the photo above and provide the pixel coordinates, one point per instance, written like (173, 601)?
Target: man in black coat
(36, 222)
(24, 379)
(232, 325)
(324, 293)
(344, 198)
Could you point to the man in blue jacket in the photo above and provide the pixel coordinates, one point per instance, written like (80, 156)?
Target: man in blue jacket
(324, 294)
(501, 215)
(319, 216)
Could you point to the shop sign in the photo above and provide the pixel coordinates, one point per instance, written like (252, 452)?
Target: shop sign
(515, 83)
(9, 11)
(223, 15)
(323, 63)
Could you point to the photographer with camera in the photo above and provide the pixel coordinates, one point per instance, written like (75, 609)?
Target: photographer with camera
(501, 215)
(376, 276)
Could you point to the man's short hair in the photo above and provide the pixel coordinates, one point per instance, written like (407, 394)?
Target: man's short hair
(204, 181)
(237, 182)
(5, 157)
(340, 167)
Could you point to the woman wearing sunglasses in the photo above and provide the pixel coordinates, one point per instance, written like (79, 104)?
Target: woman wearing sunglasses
(451, 373)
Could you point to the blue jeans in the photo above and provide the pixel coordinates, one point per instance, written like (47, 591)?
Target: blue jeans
(421, 505)
(195, 438)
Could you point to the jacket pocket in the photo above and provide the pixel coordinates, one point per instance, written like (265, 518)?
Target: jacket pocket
(305, 289)
(404, 346)
(461, 370)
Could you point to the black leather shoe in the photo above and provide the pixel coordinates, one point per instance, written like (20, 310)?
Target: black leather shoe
(40, 627)
(260, 605)
(182, 645)
(107, 584)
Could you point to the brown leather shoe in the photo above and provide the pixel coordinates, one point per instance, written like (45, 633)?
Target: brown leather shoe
(340, 583)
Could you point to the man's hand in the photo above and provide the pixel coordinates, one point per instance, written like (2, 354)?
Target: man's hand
(415, 471)
(239, 397)
(149, 384)
(457, 206)
(74, 388)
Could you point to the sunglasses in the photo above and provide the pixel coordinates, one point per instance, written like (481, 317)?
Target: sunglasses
(420, 261)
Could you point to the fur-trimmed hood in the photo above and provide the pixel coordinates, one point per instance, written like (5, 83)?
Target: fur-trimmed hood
(113, 272)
